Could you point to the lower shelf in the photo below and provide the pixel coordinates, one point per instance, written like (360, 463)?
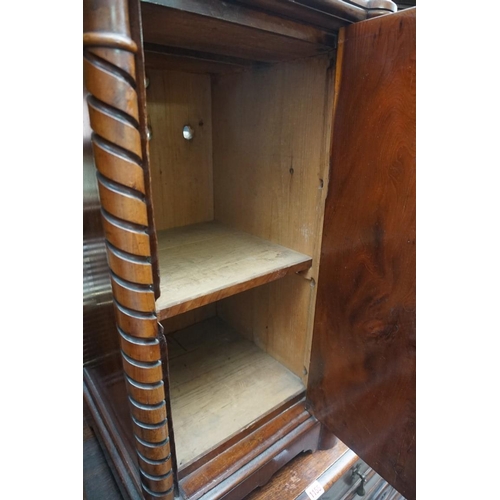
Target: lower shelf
(237, 414)
(220, 383)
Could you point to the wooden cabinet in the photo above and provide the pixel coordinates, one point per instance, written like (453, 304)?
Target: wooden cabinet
(249, 246)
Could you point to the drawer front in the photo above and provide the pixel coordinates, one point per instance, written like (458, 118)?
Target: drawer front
(346, 485)
(375, 487)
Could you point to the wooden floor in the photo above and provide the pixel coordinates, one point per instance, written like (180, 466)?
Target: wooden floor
(220, 382)
(202, 263)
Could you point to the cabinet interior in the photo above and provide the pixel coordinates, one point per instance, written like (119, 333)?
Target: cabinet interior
(238, 212)
(218, 403)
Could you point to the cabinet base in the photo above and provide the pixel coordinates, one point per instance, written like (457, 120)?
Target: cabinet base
(252, 461)
(118, 457)
(231, 474)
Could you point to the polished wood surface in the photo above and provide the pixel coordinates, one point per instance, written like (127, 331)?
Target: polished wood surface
(99, 331)
(244, 462)
(206, 262)
(136, 34)
(328, 13)
(105, 398)
(270, 162)
(118, 146)
(362, 380)
(293, 479)
(162, 57)
(231, 30)
(130, 444)
(255, 457)
(296, 10)
(330, 468)
(220, 383)
(238, 15)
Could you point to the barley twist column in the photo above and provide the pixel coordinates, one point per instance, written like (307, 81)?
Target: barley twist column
(109, 64)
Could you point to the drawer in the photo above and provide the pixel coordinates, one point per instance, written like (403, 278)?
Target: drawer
(375, 487)
(345, 485)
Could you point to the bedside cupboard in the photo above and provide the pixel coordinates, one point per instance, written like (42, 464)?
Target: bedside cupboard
(249, 239)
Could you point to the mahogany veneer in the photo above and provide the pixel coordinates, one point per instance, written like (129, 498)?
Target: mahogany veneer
(276, 244)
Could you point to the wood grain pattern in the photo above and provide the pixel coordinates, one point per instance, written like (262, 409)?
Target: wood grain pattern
(242, 16)
(131, 445)
(269, 151)
(275, 316)
(104, 380)
(129, 268)
(220, 383)
(99, 331)
(203, 263)
(231, 30)
(181, 170)
(292, 480)
(362, 381)
(121, 455)
(98, 481)
(114, 118)
(252, 460)
(271, 142)
(259, 471)
(245, 449)
(337, 480)
(295, 10)
(189, 318)
(136, 32)
(163, 58)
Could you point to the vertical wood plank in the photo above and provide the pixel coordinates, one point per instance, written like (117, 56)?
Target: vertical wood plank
(181, 170)
(271, 143)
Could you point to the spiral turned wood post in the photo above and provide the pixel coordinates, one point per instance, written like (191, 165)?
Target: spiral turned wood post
(110, 78)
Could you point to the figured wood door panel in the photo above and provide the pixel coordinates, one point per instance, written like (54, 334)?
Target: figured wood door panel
(362, 373)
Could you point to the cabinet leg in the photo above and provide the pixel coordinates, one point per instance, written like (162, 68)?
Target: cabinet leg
(326, 440)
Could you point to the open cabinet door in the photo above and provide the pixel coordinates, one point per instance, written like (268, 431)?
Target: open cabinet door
(362, 373)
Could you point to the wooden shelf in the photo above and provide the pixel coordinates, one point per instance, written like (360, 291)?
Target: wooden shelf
(206, 262)
(220, 383)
